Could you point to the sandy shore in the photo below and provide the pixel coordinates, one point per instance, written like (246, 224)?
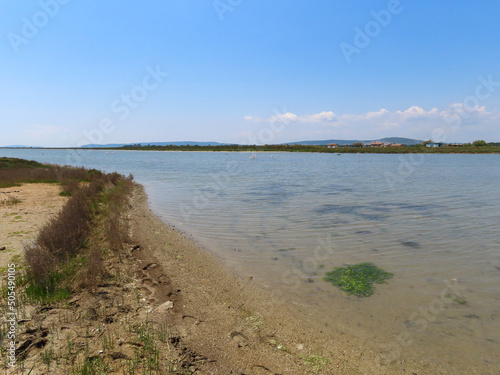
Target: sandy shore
(21, 221)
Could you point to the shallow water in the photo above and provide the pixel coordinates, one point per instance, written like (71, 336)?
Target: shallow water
(285, 219)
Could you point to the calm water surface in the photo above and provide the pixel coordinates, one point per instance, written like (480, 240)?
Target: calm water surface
(285, 219)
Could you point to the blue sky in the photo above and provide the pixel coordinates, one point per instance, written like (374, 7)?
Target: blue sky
(246, 71)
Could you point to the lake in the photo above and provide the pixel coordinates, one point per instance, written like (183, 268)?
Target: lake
(284, 219)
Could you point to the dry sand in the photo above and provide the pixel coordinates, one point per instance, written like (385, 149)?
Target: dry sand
(20, 222)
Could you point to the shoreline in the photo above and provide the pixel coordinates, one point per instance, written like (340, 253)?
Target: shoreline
(240, 325)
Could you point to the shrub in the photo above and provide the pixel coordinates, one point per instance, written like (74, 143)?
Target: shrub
(479, 143)
(94, 269)
(63, 235)
(69, 187)
(41, 263)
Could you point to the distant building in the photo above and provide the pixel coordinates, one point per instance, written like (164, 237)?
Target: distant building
(396, 145)
(332, 145)
(455, 144)
(377, 144)
(433, 144)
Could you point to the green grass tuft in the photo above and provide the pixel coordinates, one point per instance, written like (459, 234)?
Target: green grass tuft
(41, 295)
(358, 278)
(317, 362)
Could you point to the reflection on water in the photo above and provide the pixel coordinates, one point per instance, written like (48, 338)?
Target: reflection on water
(288, 219)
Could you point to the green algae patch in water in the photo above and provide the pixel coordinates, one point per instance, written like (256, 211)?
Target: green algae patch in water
(358, 278)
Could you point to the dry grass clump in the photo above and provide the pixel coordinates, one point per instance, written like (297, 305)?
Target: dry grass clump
(65, 234)
(94, 271)
(116, 231)
(41, 263)
(9, 201)
(69, 187)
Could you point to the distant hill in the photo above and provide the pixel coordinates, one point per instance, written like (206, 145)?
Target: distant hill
(326, 142)
(191, 143)
(403, 141)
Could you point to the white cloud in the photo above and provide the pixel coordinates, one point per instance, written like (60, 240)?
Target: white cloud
(287, 117)
(320, 117)
(381, 113)
(253, 119)
(284, 117)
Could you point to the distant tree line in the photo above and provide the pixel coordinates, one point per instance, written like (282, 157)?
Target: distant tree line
(479, 146)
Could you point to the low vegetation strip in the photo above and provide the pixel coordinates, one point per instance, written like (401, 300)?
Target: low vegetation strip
(475, 148)
(14, 172)
(13, 163)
